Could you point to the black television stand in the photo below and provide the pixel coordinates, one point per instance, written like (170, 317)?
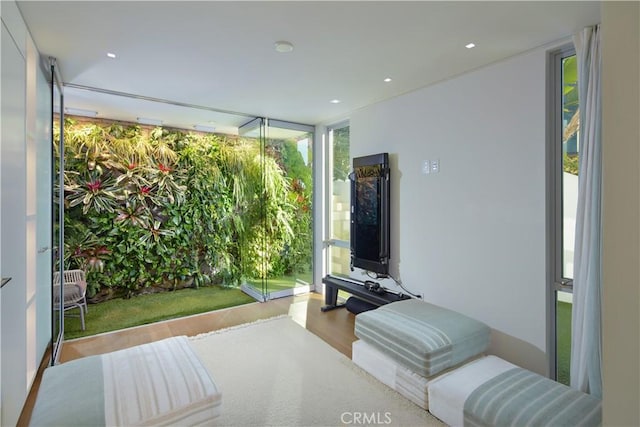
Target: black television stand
(357, 289)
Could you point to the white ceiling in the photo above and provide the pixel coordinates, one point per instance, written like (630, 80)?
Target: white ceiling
(220, 55)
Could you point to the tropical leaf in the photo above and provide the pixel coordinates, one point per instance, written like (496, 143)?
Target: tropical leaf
(134, 213)
(93, 193)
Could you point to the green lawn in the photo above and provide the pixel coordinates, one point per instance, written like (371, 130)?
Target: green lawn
(144, 309)
(281, 282)
(563, 339)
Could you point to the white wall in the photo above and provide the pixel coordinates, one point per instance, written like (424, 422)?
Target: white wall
(621, 217)
(13, 226)
(2, 37)
(471, 237)
(25, 217)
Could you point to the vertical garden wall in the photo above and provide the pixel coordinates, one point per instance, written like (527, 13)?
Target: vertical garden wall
(149, 209)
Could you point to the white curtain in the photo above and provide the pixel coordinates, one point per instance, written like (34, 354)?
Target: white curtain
(586, 339)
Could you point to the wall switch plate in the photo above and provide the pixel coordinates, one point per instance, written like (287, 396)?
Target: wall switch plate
(435, 166)
(426, 167)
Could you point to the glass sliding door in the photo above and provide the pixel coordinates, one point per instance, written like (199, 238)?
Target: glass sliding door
(57, 231)
(251, 207)
(277, 242)
(42, 197)
(289, 147)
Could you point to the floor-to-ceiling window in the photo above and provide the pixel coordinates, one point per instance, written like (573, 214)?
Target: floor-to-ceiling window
(338, 253)
(284, 237)
(563, 202)
(258, 194)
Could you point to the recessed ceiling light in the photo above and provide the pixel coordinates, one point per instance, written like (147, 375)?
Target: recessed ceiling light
(146, 121)
(335, 101)
(387, 79)
(470, 45)
(204, 128)
(283, 46)
(80, 112)
(111, 55)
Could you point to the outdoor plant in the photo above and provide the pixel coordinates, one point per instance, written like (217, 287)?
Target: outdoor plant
(149, 209)
(296, 256)
(571, 113)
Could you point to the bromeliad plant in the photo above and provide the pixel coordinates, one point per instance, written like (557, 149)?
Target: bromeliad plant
(159, 208)
(91, 190)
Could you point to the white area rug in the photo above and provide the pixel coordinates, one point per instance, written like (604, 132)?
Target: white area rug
(276, 373)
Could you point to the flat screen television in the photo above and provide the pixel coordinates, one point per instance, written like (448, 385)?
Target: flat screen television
(370, 213)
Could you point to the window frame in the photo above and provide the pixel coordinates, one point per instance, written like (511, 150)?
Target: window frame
(329, 241)
(555, 214)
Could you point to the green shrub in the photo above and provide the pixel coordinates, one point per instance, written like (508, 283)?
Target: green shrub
(570, 163)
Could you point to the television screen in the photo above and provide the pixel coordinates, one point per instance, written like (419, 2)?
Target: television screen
(370, 213)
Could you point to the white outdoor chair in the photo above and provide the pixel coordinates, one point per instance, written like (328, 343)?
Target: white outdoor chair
(75, 292)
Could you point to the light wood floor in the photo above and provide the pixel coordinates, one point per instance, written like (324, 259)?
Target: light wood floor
(335, 327)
